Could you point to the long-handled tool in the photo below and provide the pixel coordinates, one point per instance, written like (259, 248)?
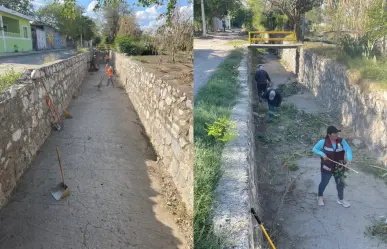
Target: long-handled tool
(61, 191)
(263, 228)
(67, 115)
(343, 166)
(53, 110)
(100, 83)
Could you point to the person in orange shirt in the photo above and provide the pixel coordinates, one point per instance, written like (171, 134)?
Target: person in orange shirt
(109, 72)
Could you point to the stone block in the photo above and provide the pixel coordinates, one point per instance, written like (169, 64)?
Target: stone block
(175, 148)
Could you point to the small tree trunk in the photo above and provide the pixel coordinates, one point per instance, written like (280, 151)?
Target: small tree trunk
(298, 31)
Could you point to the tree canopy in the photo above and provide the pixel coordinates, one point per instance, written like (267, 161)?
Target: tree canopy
(22, 6)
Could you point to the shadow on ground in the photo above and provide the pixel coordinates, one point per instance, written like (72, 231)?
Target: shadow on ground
(112, 204)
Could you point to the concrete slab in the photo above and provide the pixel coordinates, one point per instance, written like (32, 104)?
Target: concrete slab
(112, 204)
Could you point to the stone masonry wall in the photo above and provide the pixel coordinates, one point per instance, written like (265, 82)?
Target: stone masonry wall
(364, 111)
(237, 191)
(288, 57)
(167, 115)
(25, 119)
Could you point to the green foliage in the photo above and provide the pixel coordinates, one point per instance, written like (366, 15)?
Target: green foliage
(357, 47)
(378, 229)
(339, 172)
(274, 20)
(171, 5)
(376, 26)
(97, 40)
(56, 15)
(241, 16)
(7, 79)
(82, 50)
(255, 16)
(22, 6)
(134, 46)
(293, 167)
(214, 100)
(222, 129)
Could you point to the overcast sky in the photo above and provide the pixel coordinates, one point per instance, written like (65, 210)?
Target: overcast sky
(146, 17)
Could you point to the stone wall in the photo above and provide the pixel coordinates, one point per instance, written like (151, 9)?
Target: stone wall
(25, 119)
(289, 59)
(237, 190)
(167, 116)
(365, 111)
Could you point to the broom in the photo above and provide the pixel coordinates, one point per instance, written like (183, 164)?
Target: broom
(100, 83)
(67, 115)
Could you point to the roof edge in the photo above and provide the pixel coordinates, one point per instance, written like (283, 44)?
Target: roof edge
(15, 13)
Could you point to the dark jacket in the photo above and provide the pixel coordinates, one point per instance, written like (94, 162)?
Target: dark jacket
(277, 99)
(261, 77)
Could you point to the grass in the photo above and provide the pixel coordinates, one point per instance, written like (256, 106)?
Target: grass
(378, 229)
(82, 50)
(368, 71)
(237, 43)
(7, 79)
(214, 100)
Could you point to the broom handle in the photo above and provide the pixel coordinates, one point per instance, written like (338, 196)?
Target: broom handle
(343, 165)
(262, 227)
(60, 164)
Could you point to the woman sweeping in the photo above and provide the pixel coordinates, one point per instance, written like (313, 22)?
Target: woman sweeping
(332, 148)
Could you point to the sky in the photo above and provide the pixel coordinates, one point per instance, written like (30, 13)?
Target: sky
(146, 16)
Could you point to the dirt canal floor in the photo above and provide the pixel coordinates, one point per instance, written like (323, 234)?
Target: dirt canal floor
(290, 175)
(116, 199)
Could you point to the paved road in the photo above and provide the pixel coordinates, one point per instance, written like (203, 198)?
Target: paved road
(19, 63)
(112, 204)
(209, 53)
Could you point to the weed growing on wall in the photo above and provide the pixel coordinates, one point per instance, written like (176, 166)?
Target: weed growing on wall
(7, 79)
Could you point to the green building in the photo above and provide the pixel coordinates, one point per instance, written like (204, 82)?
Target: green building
(15, 31)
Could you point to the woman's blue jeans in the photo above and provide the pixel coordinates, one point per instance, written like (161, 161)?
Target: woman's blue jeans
(325, 177)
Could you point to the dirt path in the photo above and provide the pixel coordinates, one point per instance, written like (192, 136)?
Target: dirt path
(289, 195)
(113, 203)
(209, 54)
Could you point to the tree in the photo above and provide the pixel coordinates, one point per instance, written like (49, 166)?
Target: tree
(128, 26)
(257, 8)
(112, 14)
(22, 6)
(295, 9)
(376, 27)
(171, 5)
(76, 26)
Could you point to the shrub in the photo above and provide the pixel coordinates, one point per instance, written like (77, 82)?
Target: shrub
(8, 78)
(134, 46)
(357, 47)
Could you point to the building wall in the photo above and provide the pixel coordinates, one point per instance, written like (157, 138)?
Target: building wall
(41, 39)
(58, 40)
(50, 37)
(7, 44)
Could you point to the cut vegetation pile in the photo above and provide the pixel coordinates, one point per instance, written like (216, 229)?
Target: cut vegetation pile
(214, 100)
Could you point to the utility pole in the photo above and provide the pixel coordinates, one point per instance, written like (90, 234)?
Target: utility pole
(203, 19)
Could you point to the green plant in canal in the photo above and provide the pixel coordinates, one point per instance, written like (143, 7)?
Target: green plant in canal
(223, 129)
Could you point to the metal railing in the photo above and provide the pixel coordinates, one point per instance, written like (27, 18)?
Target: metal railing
(10, 34)
(289, 36)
